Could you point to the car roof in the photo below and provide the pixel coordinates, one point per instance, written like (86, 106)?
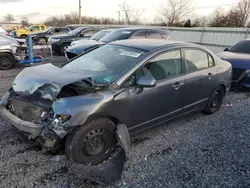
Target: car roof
(140, 28)
(151, 44)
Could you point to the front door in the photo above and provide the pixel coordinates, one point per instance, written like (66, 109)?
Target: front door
(147, 107)
(201, 78)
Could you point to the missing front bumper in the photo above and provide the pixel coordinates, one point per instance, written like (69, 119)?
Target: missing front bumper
(28, 127)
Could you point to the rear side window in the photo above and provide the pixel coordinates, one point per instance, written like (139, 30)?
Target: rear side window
(241, 47)
(139, 35)
(36, 28)
(210, 61)
(64, 30)
(164, 35)
(154, 35)
(197, 60)
(43, 28)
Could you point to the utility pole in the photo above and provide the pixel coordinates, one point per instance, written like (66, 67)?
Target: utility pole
(80, 11)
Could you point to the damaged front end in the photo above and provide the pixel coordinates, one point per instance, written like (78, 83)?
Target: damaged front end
(49, 106)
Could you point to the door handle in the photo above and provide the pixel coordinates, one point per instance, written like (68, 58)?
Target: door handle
(210, 75)
(177, 85)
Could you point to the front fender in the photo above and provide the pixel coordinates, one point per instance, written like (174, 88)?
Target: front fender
(81, 107)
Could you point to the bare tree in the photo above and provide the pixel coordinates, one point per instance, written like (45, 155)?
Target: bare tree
(237, 16)
(174, 11)
(243, 9)
(128, 14)
(200, 21)
(9, 18)
(24, 21)
(219, 18)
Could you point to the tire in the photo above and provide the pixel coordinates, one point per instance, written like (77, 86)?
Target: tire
(64, 47)
(93, 143)
(215, 101)
(7, 61)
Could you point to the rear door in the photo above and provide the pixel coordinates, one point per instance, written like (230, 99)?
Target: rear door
(201, 78)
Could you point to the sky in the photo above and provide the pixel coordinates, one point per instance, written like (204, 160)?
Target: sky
(39, 10)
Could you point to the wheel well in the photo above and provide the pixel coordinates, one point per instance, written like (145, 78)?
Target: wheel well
(224, 88)
(65, 43)
(8, 52)
(115, 120)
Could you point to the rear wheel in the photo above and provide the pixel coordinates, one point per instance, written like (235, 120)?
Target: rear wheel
(92, 143)
(7, 61)
(215, 101)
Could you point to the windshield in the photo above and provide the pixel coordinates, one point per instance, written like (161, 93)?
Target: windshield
(116, 35)
(99, 35)
(241, 47)
(29, 28)
(105, 64)
(76, 31)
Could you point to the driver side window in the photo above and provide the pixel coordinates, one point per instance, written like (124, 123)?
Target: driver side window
(164, 66)
(35, 28)
(167, 65)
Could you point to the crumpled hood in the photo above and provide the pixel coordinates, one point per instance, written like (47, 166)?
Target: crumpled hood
(237, 60)
(44, 81)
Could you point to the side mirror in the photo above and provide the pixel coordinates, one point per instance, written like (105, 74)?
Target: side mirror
(81, 35)
(146, 81)
(226, 49)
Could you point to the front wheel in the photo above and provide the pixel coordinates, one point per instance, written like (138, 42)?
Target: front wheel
(7, 61)
(92, 143)
(215, 101)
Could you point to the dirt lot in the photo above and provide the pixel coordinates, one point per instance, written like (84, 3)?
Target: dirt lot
(193, 151)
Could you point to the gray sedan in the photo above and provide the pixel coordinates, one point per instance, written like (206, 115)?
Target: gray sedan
(100, 98)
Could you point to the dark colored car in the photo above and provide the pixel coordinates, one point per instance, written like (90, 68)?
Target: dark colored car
(239, 57)
(79, 46)
(42, 37)
(60, 43)
(95, 37)
(119, 34)
(125, 86)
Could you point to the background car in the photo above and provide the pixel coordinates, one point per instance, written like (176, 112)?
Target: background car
(95, 37)
(42, 37)
(60, 43)
(239, 57)
(3, 31)
(11, 51)
(118, 34)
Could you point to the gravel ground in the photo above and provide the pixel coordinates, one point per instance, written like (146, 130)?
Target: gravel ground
(193, 151)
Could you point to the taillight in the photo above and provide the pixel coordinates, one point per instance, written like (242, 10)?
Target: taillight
(6, 34)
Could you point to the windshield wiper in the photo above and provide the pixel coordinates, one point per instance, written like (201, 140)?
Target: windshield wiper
(90, 81)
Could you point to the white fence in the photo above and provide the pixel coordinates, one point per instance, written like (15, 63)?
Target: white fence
(216, 39)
